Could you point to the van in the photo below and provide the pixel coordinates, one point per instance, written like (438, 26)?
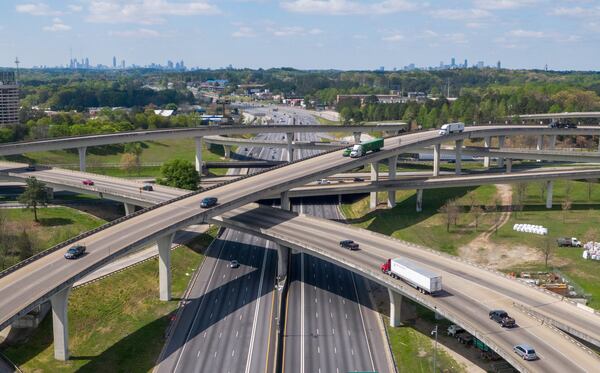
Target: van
(525, 351)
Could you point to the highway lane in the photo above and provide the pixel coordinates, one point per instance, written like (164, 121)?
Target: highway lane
(469, 292)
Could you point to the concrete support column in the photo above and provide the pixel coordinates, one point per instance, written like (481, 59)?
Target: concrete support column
(81, 150)
(129, 208)
(227, 149)
(285, 201)
(552, 143)
(549, 187)
(164, 265)
(290, 151)
(283, 256)
(60, 324)
(392, 166)
(486, 159)
(198, 154)
(509, 165)
(436, 159)
(500, 145)
(540, 145)
(419, 200)
(357, 137)
(50, 193)
(458, 155)
(395, 308)
(374, 177)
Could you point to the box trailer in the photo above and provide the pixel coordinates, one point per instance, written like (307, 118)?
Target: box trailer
(421, 279)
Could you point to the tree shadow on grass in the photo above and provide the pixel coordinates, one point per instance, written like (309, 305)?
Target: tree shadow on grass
(55, 222)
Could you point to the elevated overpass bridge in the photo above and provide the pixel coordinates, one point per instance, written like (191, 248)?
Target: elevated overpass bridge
(49, 276)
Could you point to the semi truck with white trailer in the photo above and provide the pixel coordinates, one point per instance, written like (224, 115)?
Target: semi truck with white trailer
(425, 281)
(449, 128)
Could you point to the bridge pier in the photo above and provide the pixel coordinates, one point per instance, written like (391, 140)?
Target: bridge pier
(285, 201)
(486, 159)
(392, 166)
(552, 143)
(396, 301)
(227, 149)
(458, 157)
(290, 150)
(419, 200)
(374, 177)
(164, 265)
(508, 165)
(198, 141)
(283, 256)
(82, 150)
(356, 137)
(436, 159)
(60, 324)
(540, 145)
(129, 208)
(500, 146)
(549, 188)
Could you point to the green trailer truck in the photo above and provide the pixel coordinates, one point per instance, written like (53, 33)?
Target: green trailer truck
(486, 352)
(364, 147)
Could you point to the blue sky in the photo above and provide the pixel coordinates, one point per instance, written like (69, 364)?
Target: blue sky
(341, 34)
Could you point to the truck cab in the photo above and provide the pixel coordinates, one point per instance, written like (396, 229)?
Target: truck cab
(502, 318)
(356, 151)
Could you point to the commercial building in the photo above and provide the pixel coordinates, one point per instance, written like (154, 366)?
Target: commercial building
(9, 99)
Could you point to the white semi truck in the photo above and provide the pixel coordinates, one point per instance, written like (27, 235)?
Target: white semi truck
(449, 128)
(421, 279)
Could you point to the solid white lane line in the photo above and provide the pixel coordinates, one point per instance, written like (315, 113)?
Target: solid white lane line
(362, 319)
(302, 313)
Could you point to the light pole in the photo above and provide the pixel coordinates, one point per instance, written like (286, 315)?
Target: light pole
(435, 347)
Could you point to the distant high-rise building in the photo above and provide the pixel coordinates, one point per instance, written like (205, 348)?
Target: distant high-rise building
(9, 99)
(122, 64)
(499, 65)
(169, 64)
(87, 63)
(466, 64)
(480, 64)
(453, 62)
(114, 62)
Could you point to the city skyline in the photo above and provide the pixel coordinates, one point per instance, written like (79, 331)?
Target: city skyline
(304, 34)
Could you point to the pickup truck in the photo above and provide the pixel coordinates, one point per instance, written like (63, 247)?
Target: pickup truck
(454, 330)
(568, 242)
(502, 318)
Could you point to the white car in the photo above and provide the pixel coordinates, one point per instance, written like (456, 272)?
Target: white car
(323, 182)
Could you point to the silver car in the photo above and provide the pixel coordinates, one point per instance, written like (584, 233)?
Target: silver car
(525, 351)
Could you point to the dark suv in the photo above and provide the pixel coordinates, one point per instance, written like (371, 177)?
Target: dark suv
(502, 318)
(75, 252)
(349, 244)
(208, 202)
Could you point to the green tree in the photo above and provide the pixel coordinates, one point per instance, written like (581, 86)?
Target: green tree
(180, 174)
(35, 195)
(24, 245)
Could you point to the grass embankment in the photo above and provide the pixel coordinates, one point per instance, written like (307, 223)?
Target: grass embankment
(581, 222)
(55, 225)
(413, 349)
(428, 227)
(153, 152)
(117, 324)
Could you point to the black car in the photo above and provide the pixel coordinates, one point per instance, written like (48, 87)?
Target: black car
(75, 252)
(30, 167)
(358, 179)
(208, 202)
(148, 187)
(349, 244)
(502, 318)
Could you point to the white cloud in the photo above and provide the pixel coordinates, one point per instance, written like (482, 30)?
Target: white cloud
(503, 4)
(145, 11)
(393, 37)
(461, 14)
(138, 33)
(348, 7)
(293, 31)
(576, 11)
(529, 34)
(244, 32)
(57, 25)
(75, 8)
(37, 9)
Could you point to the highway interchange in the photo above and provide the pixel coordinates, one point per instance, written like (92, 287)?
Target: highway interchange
(40, 275)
